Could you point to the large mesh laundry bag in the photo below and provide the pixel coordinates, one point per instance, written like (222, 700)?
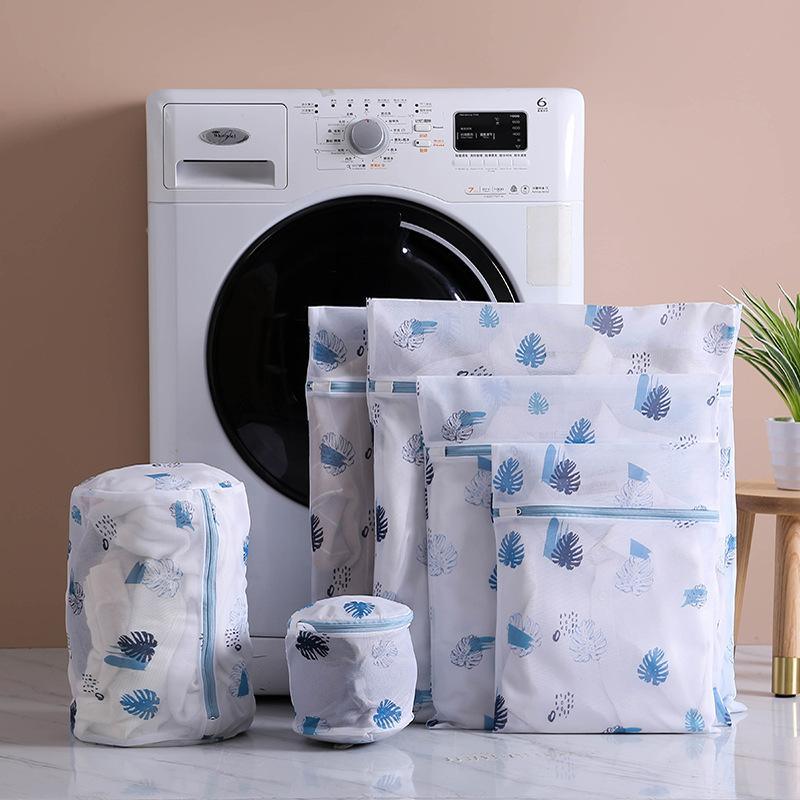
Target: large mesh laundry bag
(606, 588)
(341, 514)
(461, 418)
(352, 670)
(409, 338)
(156, 608)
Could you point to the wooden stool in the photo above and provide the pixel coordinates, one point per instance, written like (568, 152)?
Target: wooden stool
(763, 498)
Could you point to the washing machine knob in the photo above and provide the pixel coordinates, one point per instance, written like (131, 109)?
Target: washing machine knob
(367, 136)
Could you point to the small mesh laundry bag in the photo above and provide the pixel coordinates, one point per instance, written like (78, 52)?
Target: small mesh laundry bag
(341, 513)
(352, 670)
(156, 607)
(606, 588)
(461, 418)
(409, 338)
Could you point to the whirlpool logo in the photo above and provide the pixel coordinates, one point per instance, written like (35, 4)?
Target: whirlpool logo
(224, 136)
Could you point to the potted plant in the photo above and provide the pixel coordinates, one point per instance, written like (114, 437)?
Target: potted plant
(773, 348)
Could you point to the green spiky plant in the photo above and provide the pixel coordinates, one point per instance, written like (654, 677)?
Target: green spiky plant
(773, 344)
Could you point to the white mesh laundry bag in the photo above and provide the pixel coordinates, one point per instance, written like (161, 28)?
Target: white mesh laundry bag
(341, 514)
(461, 418)
(156, 606)
(409, 338)
(352, 670)
(606, 588)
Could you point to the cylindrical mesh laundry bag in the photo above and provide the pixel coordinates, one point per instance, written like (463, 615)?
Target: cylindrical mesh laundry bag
(352, 670)
(156, 607)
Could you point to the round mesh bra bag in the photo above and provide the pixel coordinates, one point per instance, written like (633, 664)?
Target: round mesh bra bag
(156, 606)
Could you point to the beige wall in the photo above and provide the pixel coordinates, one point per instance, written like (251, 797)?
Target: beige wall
(691, 183)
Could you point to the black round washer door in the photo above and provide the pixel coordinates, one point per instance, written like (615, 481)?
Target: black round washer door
(336, 253)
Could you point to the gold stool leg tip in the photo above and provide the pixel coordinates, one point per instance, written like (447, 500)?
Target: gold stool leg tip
(785, 676)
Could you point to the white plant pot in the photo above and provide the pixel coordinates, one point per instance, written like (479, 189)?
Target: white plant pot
(783, 434)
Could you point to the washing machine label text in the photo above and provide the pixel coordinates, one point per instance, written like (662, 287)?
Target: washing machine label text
(224, 136)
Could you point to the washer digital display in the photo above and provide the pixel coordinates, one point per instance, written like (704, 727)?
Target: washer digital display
(497, 131)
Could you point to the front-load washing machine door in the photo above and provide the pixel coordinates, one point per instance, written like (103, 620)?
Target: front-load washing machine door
(336, 253)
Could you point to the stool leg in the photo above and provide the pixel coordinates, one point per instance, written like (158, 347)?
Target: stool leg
(744, 537)
(786, 612)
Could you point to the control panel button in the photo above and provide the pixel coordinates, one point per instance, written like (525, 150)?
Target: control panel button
(367, 136)
(422, 126)
(422, 142)
(476, 163)
(490, 163)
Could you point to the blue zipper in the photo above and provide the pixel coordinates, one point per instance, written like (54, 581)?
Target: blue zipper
(337, 387)
(397, 387)
(359, 625)
(695, 514)
(209, 609)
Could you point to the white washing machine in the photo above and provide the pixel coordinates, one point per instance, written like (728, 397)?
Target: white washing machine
(262, 203)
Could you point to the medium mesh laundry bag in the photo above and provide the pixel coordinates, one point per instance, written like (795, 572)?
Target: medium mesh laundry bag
(352, 670)
(156, 607)
(341, 514)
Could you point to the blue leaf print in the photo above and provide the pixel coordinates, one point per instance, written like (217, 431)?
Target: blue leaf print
(719, 339)
(565, 477)
(581, 432)
(312, 645)
(245, 549)
(75, 595)
(635, 576)
(508, 478)
(568, 551)
(381, 523)
(225, 484)
(442, 556)
(411, 333)
(414, 450)
(493, 578)
(722, 713)
(336, 454)
(488, 318)
(693, 721)
(696, 596)
(500, 713)
(622, 729)
(165, 481)
(511, 551)
(134, 651)
(387, 714)
(607, 321)
(75, 513)
(530, 351)
(460, 426)
(654, 667)
(656, 404)
(317, 533)
(587, 642)
(182, 512)
(358, 609)
(728, 553)
(328, 350)
(469, 651)
(538, 404)
(142, 703)
(523, 635)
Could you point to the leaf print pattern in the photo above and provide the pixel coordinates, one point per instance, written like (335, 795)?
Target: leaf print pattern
(725, 463)
(317, 533)
(493, 578)
(656, 404)
(654, 668)
(442, 555)
(587, 642)
(182, 512)
(478, 492)
(384, 653)
(728, 557)
(312, 645)
(239, 681)
(162, 576)
(411, 333)
(414, 450)
(488, 317)
(336, 454)
(460, 426)
(358, 609)
(566, 477)
(696, 596)
(719, 339)
(387, 714)
(531, 352)
(75, 596)
(523, 635)
(568, 551)
(511, 551)
(246, 549)
(106, 528)
(509, 477)
(538, 404)
(580, 432)
(166, 482)
(468, 653)
(693, 722)
(75, 514)
(374, 414)
(381, 523)
(500, 713)
(134, 650)
(607, 321)
(142, 703)
(635, 576)
(635, 494)
(328, 351)
(428, 472)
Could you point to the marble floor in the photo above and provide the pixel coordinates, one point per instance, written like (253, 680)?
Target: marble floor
(758, 758)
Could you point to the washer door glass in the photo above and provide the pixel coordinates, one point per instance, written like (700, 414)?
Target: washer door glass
(335, 253)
